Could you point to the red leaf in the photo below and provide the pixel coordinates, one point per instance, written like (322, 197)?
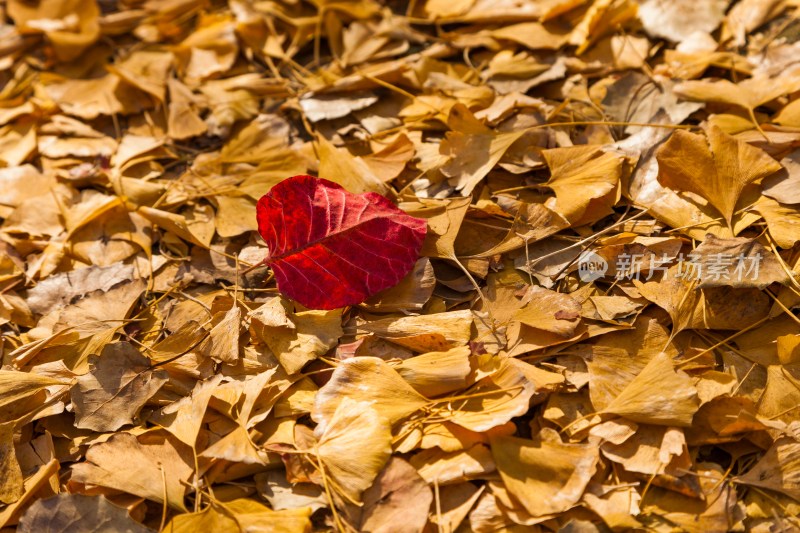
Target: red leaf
(330, 248)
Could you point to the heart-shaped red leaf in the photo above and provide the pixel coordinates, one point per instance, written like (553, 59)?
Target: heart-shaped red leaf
(329, 248)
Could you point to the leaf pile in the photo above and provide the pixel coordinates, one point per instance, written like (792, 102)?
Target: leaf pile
(508, 383)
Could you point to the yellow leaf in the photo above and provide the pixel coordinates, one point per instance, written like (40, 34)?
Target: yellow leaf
(349, 171)
(370, 380)
(550, 311)
(580, 176)
(659, 395)
(717, 168)
(355, 425)
(545, 475)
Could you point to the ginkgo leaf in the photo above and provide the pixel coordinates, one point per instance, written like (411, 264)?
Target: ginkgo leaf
(367, 379)
(11, 480)
(424, 333)
(296, 338)
(436, 373)
(116, 389)
(747, 94)
(473, 153)
(184, 418)
(439, 467)
(163, 467)
(399, 500)
(329, 248)
(64, 511)
(718, 167)
(550, 311)
(355, 425)
(18, 388)
(782, 220)
(444, 220)
(730, 262)
(711, 308)
(660, 395)
(777, 470)
(242, 516)
(545, 475)
(582, 176)
(497, 398)
(350, 172)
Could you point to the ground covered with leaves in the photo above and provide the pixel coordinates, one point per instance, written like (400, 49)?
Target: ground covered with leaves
(601, 332)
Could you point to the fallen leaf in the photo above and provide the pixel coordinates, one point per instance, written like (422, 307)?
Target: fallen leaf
(242, 515)
(368, 234)
(79, 513)
(726, 165)
(549, 311)
(163, 467)
(545, 475)
(354, 424)
(659, 394)
(585, 180)
(783, 185)
(351, 172)
(11, 486)
(367, 380)
(732, 262)
(436, 373)
(682, 19)
(296, 337)
(473, 153)
(118, 386)
(71, 26)
(776, 470)
(424, 333)
(398, 500)
(441, 468)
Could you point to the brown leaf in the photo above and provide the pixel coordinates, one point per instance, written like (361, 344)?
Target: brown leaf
(241, 516)
(354, 424)
(163, 467)
(79, 513)
(369, 380)
(737, 262)
(112, 394)
(777, 469)
(472, 154)
(299, 337)
(585, 180)
(784, 185)
(398, 500)
(11, 488)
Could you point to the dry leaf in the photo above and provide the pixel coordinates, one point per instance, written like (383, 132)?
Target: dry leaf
(112, 394)
(545, 475)
(659, 394)
(718, 169)
(585, 180)
(354, 425)
(242, 515)
(367, 380)
(550, 311)
(398, 501)
(157, 458)
(79, 513)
